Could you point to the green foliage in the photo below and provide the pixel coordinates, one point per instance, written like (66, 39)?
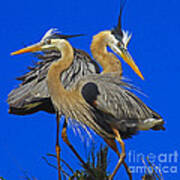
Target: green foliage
(97, 164)
(1, 178)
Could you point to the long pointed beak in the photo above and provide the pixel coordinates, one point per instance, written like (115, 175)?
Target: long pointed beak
(33, 48)
(129, 60)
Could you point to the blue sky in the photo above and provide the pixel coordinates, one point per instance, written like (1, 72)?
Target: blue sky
(155, 27)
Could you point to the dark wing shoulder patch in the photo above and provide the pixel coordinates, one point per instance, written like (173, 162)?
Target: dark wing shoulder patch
(90, 92)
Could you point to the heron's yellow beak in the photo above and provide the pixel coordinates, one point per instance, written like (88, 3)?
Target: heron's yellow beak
(124, 54)
(33, 48)
(128, 59)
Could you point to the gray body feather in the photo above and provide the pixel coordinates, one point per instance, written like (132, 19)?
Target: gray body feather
(32, 94)
(116, 106)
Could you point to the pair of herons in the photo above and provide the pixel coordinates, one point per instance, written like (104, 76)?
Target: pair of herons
(68, 82)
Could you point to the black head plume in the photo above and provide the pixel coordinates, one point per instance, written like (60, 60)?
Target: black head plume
(65, 36)
(117, 31)
(55, 34)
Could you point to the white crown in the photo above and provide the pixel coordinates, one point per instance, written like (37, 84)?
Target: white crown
(50, 33)
(126, 38)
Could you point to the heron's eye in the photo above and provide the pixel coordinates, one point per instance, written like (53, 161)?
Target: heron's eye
(119, 44)
(48, 41)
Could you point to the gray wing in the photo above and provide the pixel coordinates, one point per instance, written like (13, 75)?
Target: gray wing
(32, 94)
(117, 106)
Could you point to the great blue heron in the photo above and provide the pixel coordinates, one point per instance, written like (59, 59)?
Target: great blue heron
(33, 95)
(100, 101)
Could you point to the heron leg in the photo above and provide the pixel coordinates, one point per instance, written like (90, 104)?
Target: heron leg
(121, 156)
(58, 149)
(111, 143)
(66, 140)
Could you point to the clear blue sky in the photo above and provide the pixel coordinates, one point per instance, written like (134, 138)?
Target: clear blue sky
(155, 47)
